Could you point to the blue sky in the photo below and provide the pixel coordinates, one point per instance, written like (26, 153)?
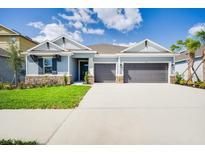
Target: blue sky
(118, 26)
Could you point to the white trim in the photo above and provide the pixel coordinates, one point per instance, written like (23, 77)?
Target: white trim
(79, 61)
(145, 62)
(71, 41)
(46, 41)
(26, 60)
(144, 41)
(84, 51)
(68, 65)
(10, 29)
(146, 55)
(49, 54)
(45, 74)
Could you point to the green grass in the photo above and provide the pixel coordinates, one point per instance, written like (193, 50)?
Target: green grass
(61, 97)
(17, 142)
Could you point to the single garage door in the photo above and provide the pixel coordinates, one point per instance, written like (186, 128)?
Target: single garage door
(105, 72)
(145, 72)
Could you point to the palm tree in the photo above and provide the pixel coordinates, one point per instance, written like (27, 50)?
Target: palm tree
(15, 60)
(201, 36)
(191, 46)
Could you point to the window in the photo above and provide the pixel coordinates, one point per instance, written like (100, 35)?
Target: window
(47, 64)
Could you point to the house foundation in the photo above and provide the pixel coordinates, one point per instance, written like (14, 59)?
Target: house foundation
(119, 79)
(48, 80)
(172, 79)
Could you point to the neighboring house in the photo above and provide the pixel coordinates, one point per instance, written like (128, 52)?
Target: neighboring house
(6, 73)
(181, 65)
(144, 62)
(7, 36)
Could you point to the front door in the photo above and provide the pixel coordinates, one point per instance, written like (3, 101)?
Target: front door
(83, 69)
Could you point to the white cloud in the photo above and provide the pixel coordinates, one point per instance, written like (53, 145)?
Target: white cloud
(82, 15)
(78, 25)
(38, 24)
(53, 30)
(93, 31)
(120, 19)
(197, 28)
(124, 44)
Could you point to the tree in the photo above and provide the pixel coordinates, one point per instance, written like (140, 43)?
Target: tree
(15, 60)
(201, 36)
(191, 46)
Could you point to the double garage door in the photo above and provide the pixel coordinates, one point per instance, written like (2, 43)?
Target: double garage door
(133, 72)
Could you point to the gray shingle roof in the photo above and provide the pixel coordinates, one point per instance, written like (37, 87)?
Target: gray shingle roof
(107, 48)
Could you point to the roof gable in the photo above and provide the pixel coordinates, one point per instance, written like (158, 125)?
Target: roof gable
(6, 31)
(46, 46)
(69, 44)
(146, 46)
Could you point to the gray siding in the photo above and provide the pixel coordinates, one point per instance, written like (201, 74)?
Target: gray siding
(105, 60)
(32, 67)
(62, 66)
(74, 69)
(6, 72)
(146, 59)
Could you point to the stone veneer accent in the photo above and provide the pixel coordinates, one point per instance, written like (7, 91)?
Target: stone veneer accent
(119, 79)
(91, 79)
(172, 79)
(46, 80)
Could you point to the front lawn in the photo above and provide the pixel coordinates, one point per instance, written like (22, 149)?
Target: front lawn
(60, 97)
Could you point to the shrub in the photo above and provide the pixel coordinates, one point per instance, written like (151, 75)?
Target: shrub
(1, 86)
(178, 78)
(65, 79)
(197, 83)
(86, 77)
(190, 83)
(202, 85)
(182, 82)
(7, 86)
(21, 85)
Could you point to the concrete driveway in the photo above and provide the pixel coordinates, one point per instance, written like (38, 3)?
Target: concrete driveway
(136, 114)
(116, 114)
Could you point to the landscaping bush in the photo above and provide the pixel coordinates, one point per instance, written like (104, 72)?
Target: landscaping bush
(190, 83)
(202, 85)
(1, 86)
(65, 79)
(178, 78)
(197, 83)
(182, 82)
(86, 77)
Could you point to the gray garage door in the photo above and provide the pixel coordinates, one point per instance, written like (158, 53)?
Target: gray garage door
(146, 73)
(104, 72)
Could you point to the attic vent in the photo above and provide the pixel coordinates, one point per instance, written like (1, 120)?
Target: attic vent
(146, 47)
(146, 43)
(63, 42)
(48, 46)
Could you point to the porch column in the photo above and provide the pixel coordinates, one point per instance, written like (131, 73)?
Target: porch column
(69, 75)
(119, 74)
(90, 71)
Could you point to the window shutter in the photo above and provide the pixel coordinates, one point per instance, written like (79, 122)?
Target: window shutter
(40, 65)
(54, 66)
